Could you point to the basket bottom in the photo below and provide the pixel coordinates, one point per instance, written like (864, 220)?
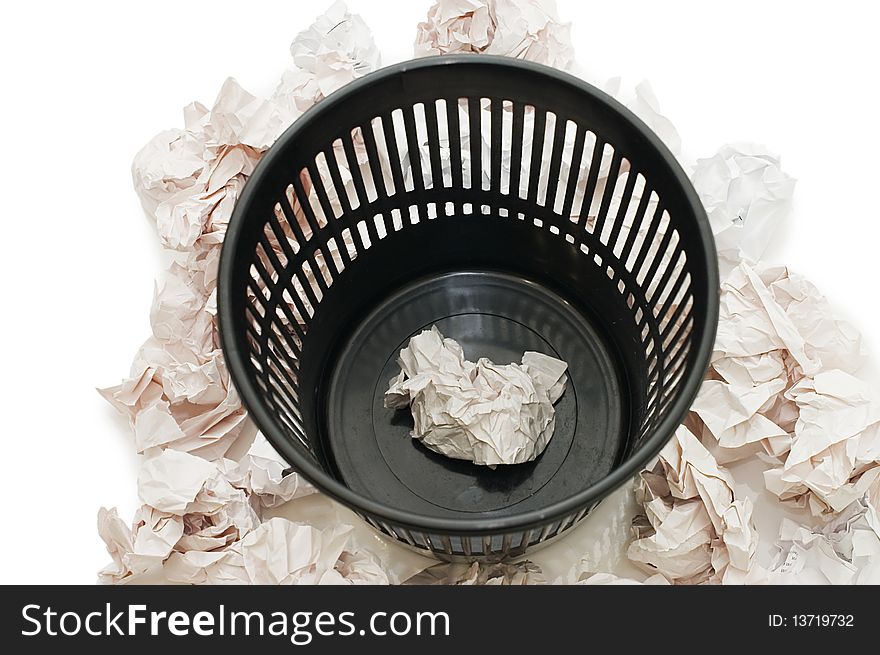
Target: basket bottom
(491, 315)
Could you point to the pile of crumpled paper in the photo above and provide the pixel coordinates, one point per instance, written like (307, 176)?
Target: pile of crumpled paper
(783, 392)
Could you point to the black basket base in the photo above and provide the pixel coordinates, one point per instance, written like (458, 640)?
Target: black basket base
(492, 315)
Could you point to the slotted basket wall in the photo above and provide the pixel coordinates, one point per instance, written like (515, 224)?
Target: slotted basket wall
(495, 195)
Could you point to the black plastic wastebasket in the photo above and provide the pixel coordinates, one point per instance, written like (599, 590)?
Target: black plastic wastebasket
(516, 208)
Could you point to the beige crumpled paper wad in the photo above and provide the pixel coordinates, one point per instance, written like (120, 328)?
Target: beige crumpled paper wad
(487, 413)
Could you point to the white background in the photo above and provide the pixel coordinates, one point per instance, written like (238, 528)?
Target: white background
(85, 85)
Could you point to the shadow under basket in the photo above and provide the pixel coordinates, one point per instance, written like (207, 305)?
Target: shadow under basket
(514, 207)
